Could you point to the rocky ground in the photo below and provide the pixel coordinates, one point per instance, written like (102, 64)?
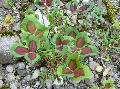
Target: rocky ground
(20, 75)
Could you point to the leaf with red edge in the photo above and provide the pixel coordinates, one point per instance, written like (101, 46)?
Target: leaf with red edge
(66, 71)
(72, 65)
(86, 50)
(31, 27)
(21, 50)
(32, 56)
(32, 46)
(79, 72)
(80, 42)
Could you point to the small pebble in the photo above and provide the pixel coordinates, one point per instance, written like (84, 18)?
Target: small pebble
(21, 65)
(22, 72)
(9, 68)
(99, 68)
(10, 77)
(35, 74)
(1, 83)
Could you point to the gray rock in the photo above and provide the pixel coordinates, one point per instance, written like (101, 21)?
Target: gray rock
(21, 72)
(21, 65)
(13, 85)
(10, 68)
(6, 3)
(1, 83)
(10, 77)
(5, 44)
(37, 85)
(27, 78)
(49, 84)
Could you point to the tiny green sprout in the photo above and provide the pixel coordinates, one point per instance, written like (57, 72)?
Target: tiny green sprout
(116, 24)
(106, 58)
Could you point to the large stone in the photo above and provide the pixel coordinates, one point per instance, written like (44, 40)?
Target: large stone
(5, 44)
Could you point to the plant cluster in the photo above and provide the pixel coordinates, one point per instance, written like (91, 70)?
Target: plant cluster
(63, 45)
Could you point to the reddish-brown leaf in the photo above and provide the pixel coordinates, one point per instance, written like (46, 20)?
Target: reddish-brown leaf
(21, 50)
(66, 71)
(39, 33)
(65, 57)
(63, 31)
(86, 50)
(79, 72)
(73, 7)
(83, 8)
(31, 27)
(80, 42)
(107, 86)
(72, 34)
(32, 56)
(47, 2)
(58, 41)
(32, 46)
(65, 42)
(72, 65)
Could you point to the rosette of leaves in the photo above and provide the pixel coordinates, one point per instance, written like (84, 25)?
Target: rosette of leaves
(108, 39)
(102, 37)
(115, 40)
(73, 68)
(31, 24)
(81, 43)
(108, 84)
(92, 14)
(62, 43)
(88, 13)
(28, 50)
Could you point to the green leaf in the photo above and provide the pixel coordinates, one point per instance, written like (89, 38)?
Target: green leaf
(31, 38)
(51, 19)
(93, 53)
(111, 83)
(37, 58)
(86, 72)
(13, 49)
